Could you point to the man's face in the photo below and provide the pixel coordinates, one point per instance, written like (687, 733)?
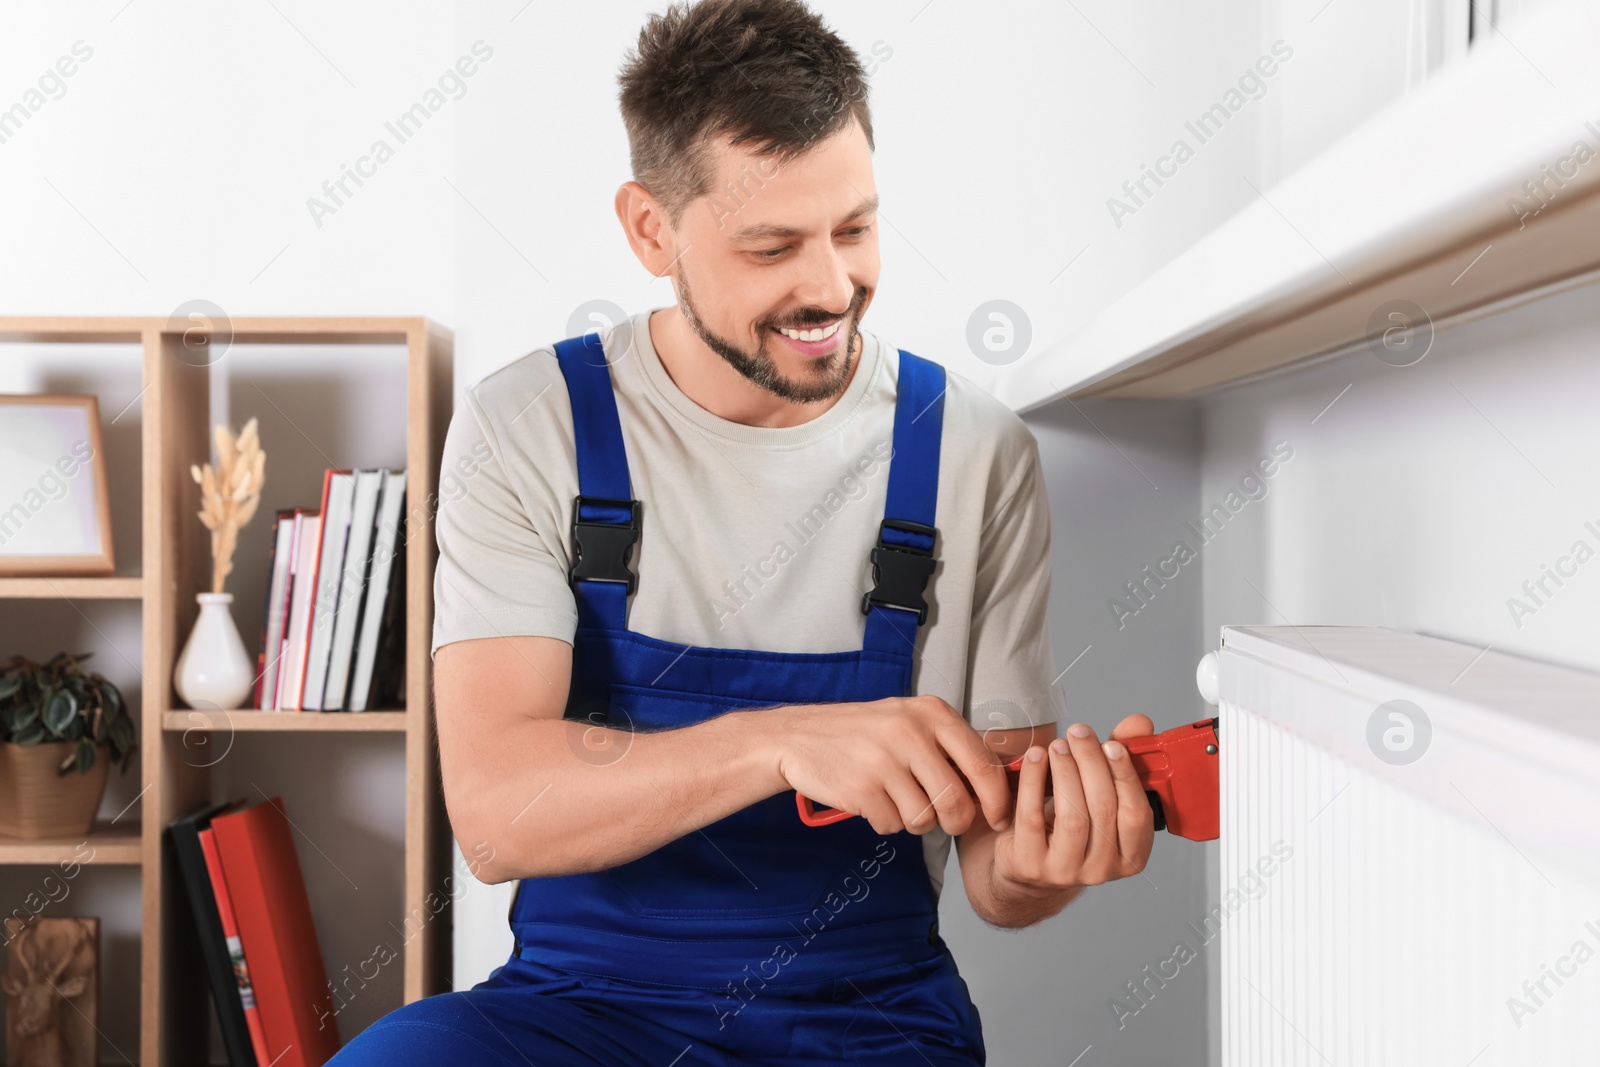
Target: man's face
(793, 246)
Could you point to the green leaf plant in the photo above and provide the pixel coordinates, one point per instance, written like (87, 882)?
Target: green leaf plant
(60, 701)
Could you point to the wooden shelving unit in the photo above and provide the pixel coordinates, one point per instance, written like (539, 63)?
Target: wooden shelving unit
(72, 588)
(118, 842)
(175, 1007)
(224, 721)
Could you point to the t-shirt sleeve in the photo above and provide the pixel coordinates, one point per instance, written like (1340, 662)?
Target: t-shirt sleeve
(1011, 668)
(497, 574)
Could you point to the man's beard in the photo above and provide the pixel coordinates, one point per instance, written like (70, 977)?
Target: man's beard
(829, 375)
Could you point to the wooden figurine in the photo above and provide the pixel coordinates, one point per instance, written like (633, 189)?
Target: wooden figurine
(52, 984)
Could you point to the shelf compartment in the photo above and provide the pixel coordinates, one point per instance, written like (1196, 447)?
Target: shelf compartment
(112, 843)
(249, 719)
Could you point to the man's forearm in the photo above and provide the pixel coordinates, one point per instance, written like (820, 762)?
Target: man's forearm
(561, 808)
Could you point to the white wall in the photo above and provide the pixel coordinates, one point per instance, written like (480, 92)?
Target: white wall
(1426, 495)
(177, 161)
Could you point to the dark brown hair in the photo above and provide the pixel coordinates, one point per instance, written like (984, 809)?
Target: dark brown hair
(769, 73)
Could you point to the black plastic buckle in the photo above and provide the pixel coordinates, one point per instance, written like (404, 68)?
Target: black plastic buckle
(602, 549)
(899, 572)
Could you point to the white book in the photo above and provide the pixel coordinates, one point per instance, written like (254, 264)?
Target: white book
(389, 532)
(330, 575)
(299, 614)
(282, 682)
(357, 556)
(277, 584)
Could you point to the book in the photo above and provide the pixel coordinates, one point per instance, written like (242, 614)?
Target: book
(227, 994)
(353, 587)
(338, 491)
(278, 560)
(294, 639)
(240, 970)
(280, 687)
(278, 934)
(389, 666)
(381, 588)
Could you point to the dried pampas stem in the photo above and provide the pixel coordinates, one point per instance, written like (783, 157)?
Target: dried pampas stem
(229, 493)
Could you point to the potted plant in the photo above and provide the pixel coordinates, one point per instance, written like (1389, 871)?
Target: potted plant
(60, 730)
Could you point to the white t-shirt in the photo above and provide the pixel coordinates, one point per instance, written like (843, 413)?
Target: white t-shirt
(756, 537)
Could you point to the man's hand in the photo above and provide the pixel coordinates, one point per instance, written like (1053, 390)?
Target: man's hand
(897, 762)
(1096, 827)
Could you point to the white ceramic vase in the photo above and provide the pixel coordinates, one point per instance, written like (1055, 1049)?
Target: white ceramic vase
(214, 671)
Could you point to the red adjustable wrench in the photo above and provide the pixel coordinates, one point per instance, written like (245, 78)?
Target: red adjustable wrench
(1178, 769)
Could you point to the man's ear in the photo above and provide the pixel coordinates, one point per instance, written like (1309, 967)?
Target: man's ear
(644, 223)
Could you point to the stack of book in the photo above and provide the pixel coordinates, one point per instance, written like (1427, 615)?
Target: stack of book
(268, 980)
(333, 635)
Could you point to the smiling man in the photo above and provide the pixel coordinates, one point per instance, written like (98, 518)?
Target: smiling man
(728, 554)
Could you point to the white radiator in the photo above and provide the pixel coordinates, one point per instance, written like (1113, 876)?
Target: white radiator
(1444, 911)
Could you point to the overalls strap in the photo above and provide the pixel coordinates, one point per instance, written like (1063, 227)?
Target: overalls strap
(605, 523)
(605, 517)
(902, 560)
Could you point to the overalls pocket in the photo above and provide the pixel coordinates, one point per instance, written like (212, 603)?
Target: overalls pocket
(923, 1006)
(759, 862)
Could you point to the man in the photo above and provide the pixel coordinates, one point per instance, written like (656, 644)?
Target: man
(729, 552)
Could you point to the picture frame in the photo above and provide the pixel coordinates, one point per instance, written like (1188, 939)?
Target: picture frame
(55, 517)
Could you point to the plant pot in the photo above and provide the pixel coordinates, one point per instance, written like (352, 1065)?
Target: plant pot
(35, 801)
(214, 672)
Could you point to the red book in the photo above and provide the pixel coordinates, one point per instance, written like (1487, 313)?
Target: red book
(230, 931)
(279, 937)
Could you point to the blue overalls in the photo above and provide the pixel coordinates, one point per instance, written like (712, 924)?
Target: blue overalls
(756, 939)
